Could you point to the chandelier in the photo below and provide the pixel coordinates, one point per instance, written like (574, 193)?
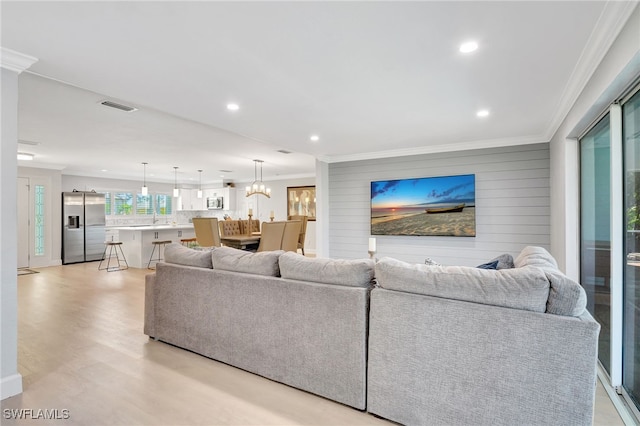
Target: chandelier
(258, 187)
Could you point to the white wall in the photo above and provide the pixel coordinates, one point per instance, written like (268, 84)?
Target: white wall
(10, 379)
(512, 204)
(618, 69)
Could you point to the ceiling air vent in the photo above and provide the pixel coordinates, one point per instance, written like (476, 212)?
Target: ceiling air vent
(118, 106)
(284, 151)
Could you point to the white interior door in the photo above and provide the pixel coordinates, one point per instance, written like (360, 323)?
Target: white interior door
(23, 222)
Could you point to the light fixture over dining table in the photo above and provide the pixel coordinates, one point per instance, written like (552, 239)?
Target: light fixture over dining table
(258, 186)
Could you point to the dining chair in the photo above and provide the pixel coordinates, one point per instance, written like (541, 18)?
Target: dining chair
(244, 226)
(207, 232)
(303, 230)
(291, 235)
(271, 236)
(229, 228)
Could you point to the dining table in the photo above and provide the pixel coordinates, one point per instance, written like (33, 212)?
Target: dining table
(242, 242)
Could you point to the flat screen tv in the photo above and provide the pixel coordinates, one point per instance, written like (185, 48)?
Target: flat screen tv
(442, 205)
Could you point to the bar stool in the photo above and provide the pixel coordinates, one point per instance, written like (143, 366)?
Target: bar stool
(160, 245)
(187, 241)
(113, 247)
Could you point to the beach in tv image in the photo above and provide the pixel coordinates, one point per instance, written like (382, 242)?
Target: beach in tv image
(442, 205)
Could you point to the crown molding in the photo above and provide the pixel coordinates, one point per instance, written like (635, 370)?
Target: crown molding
(611, 21)
(15, 61)
(433, 149)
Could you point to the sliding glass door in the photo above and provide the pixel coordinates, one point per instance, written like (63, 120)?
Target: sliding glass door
(610, 241)
(631, 286)
(595, 238)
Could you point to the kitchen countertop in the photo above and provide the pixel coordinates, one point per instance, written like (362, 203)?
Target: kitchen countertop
(151, 227)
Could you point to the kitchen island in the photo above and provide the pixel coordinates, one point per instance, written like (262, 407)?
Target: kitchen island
(137, 240)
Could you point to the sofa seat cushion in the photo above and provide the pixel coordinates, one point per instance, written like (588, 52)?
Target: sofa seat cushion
(181, 255)
(234, 260)
(523, 288)
(354, 273)
(566, 297)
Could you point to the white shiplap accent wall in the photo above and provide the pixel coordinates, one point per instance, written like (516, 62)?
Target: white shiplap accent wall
(512, 204)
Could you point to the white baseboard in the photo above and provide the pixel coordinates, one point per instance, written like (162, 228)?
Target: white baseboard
(44, 263)
(10, 386)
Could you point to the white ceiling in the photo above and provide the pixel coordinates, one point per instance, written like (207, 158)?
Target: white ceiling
(372, 79)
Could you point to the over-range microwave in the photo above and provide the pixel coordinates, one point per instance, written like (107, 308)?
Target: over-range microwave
(215, 203)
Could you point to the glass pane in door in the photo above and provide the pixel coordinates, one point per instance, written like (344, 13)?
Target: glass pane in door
(595, 238)
(631, 288)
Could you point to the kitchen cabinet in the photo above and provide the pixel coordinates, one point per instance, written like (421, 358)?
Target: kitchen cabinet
(184, 200)
(189, 200)
(228, 196)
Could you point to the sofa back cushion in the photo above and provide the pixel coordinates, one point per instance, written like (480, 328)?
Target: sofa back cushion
(566, 297)
(231, 259)
(523, 288)
(354, 273)
(181, 255)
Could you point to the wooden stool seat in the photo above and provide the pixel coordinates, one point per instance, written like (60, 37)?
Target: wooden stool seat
(113, 246)
(186, 241)
(159, 244)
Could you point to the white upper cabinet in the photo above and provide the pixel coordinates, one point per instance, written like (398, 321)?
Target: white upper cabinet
(189, 200)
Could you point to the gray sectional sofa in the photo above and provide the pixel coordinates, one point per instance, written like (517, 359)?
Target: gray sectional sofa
(276, 314)
(467, 346)
(427, 345)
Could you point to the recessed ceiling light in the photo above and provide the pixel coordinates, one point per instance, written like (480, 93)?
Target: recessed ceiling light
(468, 47)
(233, 107)
(315, 138)
(25, 156)
(104, 170)
(483, 113)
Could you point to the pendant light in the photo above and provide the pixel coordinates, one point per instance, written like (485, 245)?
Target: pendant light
(200, 185)
(144, 179)
(176, 191)
(258, 186)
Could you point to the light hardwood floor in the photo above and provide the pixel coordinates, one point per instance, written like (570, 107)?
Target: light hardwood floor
(81, 349)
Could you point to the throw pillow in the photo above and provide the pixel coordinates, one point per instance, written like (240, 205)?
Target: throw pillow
(181, 255)
(505, 261)
(489, 265)
(536, 256)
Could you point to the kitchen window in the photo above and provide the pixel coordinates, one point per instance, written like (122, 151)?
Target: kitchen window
(164, 204)
(144, 204)
(123, 203)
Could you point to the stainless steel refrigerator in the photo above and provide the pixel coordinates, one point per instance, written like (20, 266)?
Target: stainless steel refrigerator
(83, 226)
